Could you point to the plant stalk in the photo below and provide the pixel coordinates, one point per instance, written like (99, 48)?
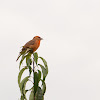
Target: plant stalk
(33, 74)
(33, 69)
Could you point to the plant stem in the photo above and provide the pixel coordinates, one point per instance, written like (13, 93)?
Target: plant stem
(33, 74)
(33, 68)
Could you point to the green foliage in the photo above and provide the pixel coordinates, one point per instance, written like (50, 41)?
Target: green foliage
(39, 95)
(44, 87)
(36, 81)
(23, 57)
(31, 97)
(22, 98)
(44, 68)
(20, 74)
(22, 86)
(44, 71)
(28, 59)
(39, 75)
(36, 92)
(35, 57)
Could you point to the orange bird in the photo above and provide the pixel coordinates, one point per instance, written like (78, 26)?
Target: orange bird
(32, 45)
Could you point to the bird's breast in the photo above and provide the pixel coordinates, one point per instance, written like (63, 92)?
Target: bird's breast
(36, 45)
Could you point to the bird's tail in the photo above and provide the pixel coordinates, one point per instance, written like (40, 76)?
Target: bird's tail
(18, 57)
(21, 53)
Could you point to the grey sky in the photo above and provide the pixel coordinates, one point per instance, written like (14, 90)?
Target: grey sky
(71, 45)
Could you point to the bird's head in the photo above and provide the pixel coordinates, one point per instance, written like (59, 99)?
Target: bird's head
(38, 38)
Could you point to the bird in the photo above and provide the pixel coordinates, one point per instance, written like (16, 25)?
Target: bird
(31, 45)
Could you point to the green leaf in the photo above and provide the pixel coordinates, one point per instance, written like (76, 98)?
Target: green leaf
(22, 98)
(23, 85)
(44, 71)
(44, 61)
(28, 90)
(30, 70)
(35, 82)
(44, 87)
(37, 78)
(23, 57)
(31, 97)
(39, 95)
(45, 64)
(28, 60)
(39, 75)
(20, 74)
(35, 57)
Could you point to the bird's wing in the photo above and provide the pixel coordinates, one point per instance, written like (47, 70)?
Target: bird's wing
(27, 45)
(31, 42)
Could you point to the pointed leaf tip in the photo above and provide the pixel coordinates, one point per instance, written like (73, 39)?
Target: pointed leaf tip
(35, 57)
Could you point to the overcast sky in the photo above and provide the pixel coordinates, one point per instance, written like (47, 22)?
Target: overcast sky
(71, 45)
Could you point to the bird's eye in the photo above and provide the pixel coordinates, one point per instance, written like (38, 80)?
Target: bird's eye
(39, 37)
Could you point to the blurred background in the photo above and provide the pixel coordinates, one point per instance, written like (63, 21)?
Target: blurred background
(71, 46)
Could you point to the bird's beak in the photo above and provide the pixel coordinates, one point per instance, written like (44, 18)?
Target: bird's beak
(41, 38)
